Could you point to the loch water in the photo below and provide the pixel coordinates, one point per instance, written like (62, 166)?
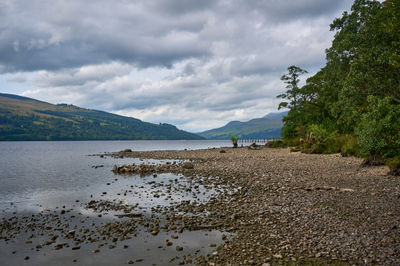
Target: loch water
(40, 177)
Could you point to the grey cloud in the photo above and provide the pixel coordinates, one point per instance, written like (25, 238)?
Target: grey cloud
(289, 10)
(278, 11)
(70, 37)
(179, 7)
(53, 35)
(80, 76)
(20, 78)
(218, 60)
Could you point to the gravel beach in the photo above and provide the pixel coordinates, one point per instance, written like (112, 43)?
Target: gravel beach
(219, 206)
(290, 207)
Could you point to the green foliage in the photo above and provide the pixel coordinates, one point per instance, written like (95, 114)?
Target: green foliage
(293, 94)
(42, 121)
(350, 146)
(293, 142)
(275, 144)
(352, 104)
(320, 140)
(295, 149)
(394, 165)
(234, 141)
(379, 130)
(294, 99)
(393, 162)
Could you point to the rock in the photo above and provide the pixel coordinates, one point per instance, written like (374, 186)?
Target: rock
(346, 190)
(129, 215)
(179, 248)
(71, 234)
(26, 258)
(130, 262)
(187, 165)
(254, 146)
(127, 150)
(76, 247)
(277, 256)
(222, 151)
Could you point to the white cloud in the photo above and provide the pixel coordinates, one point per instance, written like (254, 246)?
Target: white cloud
(196, 64)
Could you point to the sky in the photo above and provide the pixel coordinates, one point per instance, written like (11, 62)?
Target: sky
(196, 64)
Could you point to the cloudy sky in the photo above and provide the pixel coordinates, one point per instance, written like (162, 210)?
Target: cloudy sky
(197, 64)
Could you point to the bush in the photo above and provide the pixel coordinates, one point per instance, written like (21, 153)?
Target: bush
(319, 139)
(234, 141)
(379, 130)
(295, 149)
(275, 144)
(292, 142)
(350, 147)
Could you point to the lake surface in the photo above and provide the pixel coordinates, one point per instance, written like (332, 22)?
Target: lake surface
(40, 177)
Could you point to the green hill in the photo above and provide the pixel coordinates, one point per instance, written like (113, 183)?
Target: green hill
(266, 127)
(24, 118)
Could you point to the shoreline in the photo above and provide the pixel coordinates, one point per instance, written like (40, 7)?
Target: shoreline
(217, 206)
(297, 208)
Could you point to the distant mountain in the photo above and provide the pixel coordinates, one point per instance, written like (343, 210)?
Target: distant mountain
(23, 118)
(266, 127)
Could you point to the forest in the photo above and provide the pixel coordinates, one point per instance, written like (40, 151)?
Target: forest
(352, 104)
(24, 118)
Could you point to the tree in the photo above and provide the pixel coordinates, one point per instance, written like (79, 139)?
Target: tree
(234, 141)
(354, 99)
(379, 130)
(295, 101)
(293, 93)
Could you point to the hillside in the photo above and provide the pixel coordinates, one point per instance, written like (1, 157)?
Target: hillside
(24, 118)
(268, 126)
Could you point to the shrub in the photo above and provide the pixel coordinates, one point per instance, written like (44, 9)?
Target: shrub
(319, 139)
(350, 147)
(275, 144)
(379, 129)
(234, 141)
